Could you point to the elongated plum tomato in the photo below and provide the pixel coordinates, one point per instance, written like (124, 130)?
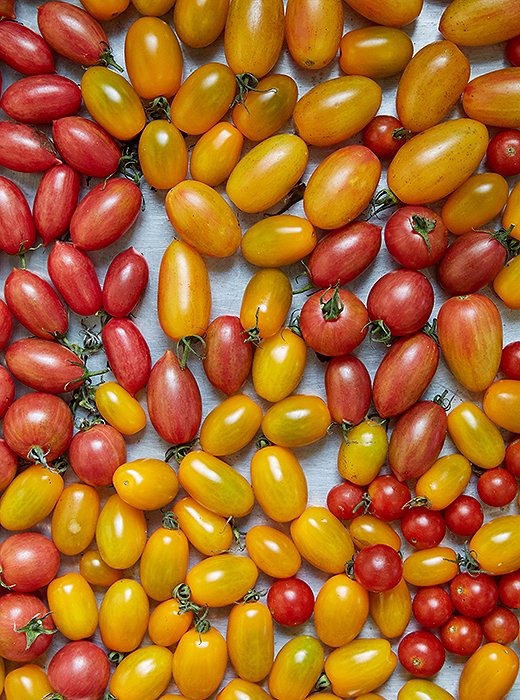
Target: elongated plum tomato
(30, 497)
(24, 50)
(216, 153)
(26, 683)
(416, 237)
(496, 545)
(29, 561)
(489, 673)
(153, 8)
(322, 540)
(167, 623)
(501, 404)
(313, 32)
(476, 436)
(296, 421)
(101, 10)
(164, 561)
(127, 353)
(199, 24)
(8, 465)
(386, 15)
(79, 670)
(125, 282)
(119, 408)
(430, 567)
(145, 673)
(444, 481)
(278, 240)
(7, 390)
(363, 451)
(377, 52)
(491, 98)
(349, 389)
(209, 533)
(334, 626)
(17, 230)
(146, 483)
(18, 610)
(265, 304)
(296, 668)
(506, 284)
(163, 154)
(230, 426)
(73, 274)
(86, 146)
(475, 202)
(266, 109)
(55, 201)
(279, 483)
(392, 610)
(74, 518)
(237, 689)
(25, 149)
(199, 663)
(124, 615)
(221, 580)
(272, 551)
(96, 453)
(351, 674)
(250, 640)
(480, 23)
(73, 606)
(120, 533)
(40, 99)
(278, 365)
(228, 359)
(6, 324)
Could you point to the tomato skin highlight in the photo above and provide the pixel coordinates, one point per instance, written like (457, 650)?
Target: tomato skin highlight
(237, 689)
(493, 665)
(96, 571)
(86, 146)
(272, 551)
(278, 241)
(209, 533)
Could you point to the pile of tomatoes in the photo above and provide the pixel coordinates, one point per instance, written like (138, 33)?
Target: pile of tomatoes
(122, 575)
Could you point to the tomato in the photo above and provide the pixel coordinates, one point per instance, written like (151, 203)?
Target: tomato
(421, 653)
(182, 313)
(278, 241)
(142, 675)
(79, 670)
(512, 454)
(146, 483)
(267, 173)
(444, 481)
(491, 98)
(27, 627)
(509, 590)
(423, 528)
(354, 170)
(510, 362)
(228, 359)
(6, 323)
(273, 552)
(377, 52)
(278, 365)
(125, 282)
(99, 9)
(464, 515)
(360, 666)
(25, 149)
(340, 611)
(378, 568)
(123, 615)
(416, 237)
(167, 623)
(503, 153)
(432, 606)
(8, 465)
(40, 99)
(461, 635)
(480, 23)
(506, 285)
(164, 562)
(313, 32)
(474, 596)
(15, 214)
(163, 154)
(501, 626)
(475, 436)
(119, 408)
(28, 561)
(212, 85)
(296, 421)
(96, 571)
(216, 153)
(265, 304)
(215, 485)
(73, 605)
(500, 404)
(491, 672)
(7, 390)
(27, 682)
(512, 51)
(491, 557)
(25, 50)
(497, 487)
(95, 454)
(430, 567)
(296, 668)
(366, 530)
(221, 580)
(155, 8)
(265, 110)
(279, 483)
(470, 336)
(238, 689)
(291, 602)
(202, 218)
(74, 519)
(199, 24)
(199, 663)
(384, 136)
(127, 353)
(363, 452)
(390, 16)
(349, 392)
(120, 533)
(73, 274)
(86, 146)
(250, 641)
(209, 533)
(322, 540)
(30, 497)
(387, 497)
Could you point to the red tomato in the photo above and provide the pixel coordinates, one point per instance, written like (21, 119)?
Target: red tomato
(344, 500)
(291, 601)
(127, 353)
(86, 146)
(474, 596)
(416, 237)
(17, 231)
(492, 98)
(228, 359)
(24, 50)
(25, 149)
(388, 497)
(378, 568)
(349, 389)
(384, 135)
(512, 458)
(7, 390)
(8, 465)
(501, 626)
(96, 453)
(6, 324)
(510, 362)
(509, 590)
(432, 606)
(79, 671)
(423, 528)
(421, 653)
(125, 282)
(28, 561)
(464, 516)
(55, 201)
(73, 274)
(461, 635)
(26, 627)
(512, 51)
(497, 487)
(503, 153)
(40, 99)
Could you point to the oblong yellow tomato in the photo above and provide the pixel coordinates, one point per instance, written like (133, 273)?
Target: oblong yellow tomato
(146, 483)
(119, 408)
(74, 607)
(250, 641)
(434, 163)
(366, 530)
(296, 421)
(199, 663)
(444, 481)
(267, 173)
(278, 365)
(203, 219)
(278, 240)
(360, 666)
(421, 689)
(153, 58)
(96, 571)
(272, 551)
(120, 533)
(475, 202)
(480, 22)
(254, 35)
(164, 562)
(296, 668)
(103, 10)
(239, 689)
(74, 519)
(142, 675)
(181, 312)
(215, 485)
(30, 497)
(265, 304)
(511, 216)
(313, 31)
(27, 682)
(376, 52)
(167, 623)
(507, 283)
(496, 545)
(123, 615)
(210, 534)
(216, 153)
(279, 483)
(431, 85)
(390, 14)
(163, 154)
(392, 610)
(493, 98)
(199, 22)
(266, 109)
(475, 436)
(112, 102)
(489, 673)
(212, 85)
(322, 540)
(501, 404)
(430, 567)
(353, 172)
(340, 611)
(221, 580)
(363, 452)
(155, 8)
(230, 426)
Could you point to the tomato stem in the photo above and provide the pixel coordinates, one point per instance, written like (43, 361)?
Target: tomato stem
(178, 452)
(252, 596)
(246, 83)
(379, 332)
(106, 58)
(169, 520)
(423, 227)
(159, 108)
(430, 329)
(322, 683)
(417, 502)
(108, 696)
(2, 582)
(115, 657)
(87, 423)
(365, 503)
(34, 628)
(332, 308)
(382, 200)
(401, 133)
(184, 347)
(468, 562)
(442, 401)
(253, 334)
(294, 196)
(262, 442)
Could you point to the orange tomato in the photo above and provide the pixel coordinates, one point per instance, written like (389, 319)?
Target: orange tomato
(366, 530)
(390, 14)
(155, 8)
(146, 483)
(430, 567)
(493, 98)
(74, 519)
(296, 668)
(296, 421)
(27, 682)
(444, 481)
(419, 689)
(120, 533)
(313, 31)
(242, 690)
(340, 611)
(167, 624)
(230, 426)
(119, 408)
(475, 436)
(96, 571)
(142, 675)
(278, 365)
(511, 216)
(103, 10)
(199, 22)
(489, 673)
(501, 404)
(279, 483)
(74, 607)
(322, 539)
(250, 641)
(163, 154)
(123, 615)
(30, 497)
(272, 551)
(221, 580)
(363, 452)
(376, 52)
(164, 562)
(209, 533)
(266, 303)
(216, 153)
(278, 240)
(199, 663)
(496, 545)
(392, 610)
(480, 22)
(507, 283)
(266, 109)
(475, 202)
(360, 666)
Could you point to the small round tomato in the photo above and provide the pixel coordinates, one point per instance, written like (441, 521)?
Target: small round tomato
(430, 567)
(230, 426)
(322, 540)
(74, 607)
(384, 135)
(392, 610)
(95, 454)
(378, 568)
(123, 615)
(416, 237)
(74, 519)
(377, 52)
(340, 611)
(344, 500)
(461, 635)
(216, 153)
(489, 673)
(146, 483)
(26, 627)
(421, 653)
(296, 668)
(360, 666)
(96, 571)
(168, 623)
(120, 533)
(265, 304)
(496, 545)
(513, 51)
(444, 481)
(221, 580)
(119, 408)
(142, 675)
(500, 625)
(28, 561)
(423, 527)
(296, 421)
(266, 108)
(250, 640)
(512, 460)
(474, 596)
(432, 606)
(510, 362)
(279, 483)
(497, 487)
(164, 562)
(388, 497)
(163, 154)
(79, 670)
(27, 682)
(503, 154)
(367, 530)
(199, 662)
(509, 590)
(272, 551)
(475, 436)
(363, 452)
(291, 601)
(464, 516)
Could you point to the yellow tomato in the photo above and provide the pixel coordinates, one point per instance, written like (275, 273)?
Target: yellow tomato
(181, 312)
(167, 624)
(164, 563)
(105, 9)
(313, 31)
(489, 674)
(250, 641)
(163, 154)
(73, 605)
(221, 580)
(2, 674)
(267, 173)
(120, 533)
(74, 519)
(296, 668)
(296, 421)
(444, 481)
(216, 153)
(230, 426)
(419, 689)
(279, 483)
(199, 22)
(511, 215)
(27, 682)
(278, 240)
(392, 610)
(496, 545)
(507, 283)
(360, 666)
(155, 8)
(123, 615)
(336, 110)
(199, 663)
(153, 58)
(340, 611)
(376, 52)
(272, 551)
(146, 483)
(433, 164)
(475, 202)
(366, 530)
(278, 365)
(215, 485)
(212, 85)
(501, 404)
(242, 690)
(96, 571)
(430, 567)
(391, 14)
(266, 303)
(476, 436)
(142, 675)
(30, 498)
(265, 110)
(210, 534)
(322, 540)
(112, 102)
(363, 452)
(119, 408)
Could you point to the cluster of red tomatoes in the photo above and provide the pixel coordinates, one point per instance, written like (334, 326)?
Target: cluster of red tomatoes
(138, 127)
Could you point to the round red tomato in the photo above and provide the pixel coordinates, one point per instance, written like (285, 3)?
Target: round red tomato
(513, 50)
(432, 606)
(510, 362)
(512, 458)
(501, 626)
(474, 596)
(79, 670)
(416, 237)
(384, 135)
(378, 568)
(464, 516)
(422, 527)
(344, 500)
(509, 590)
(388, 497)
(421, 653)
(503, 153)
(497, 487)
(28, 561)
(26, 628)
(461, 635)
(291, 601)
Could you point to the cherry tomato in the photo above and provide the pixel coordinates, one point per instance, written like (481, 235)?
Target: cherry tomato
(464, 516)
(30, 497)
(272, 551)
(475, 436)
(26, 627)
(296, 668)
(430, 567)
(28, 561)
(27, 682)
(95, 454)
(511, 461)
(509, 590)
(313, 32)
(167, 623)
(513, 51)
(86, 146)
(120, 533)
(480, 23)
(40, 99)
(490, 672)
(340, 611)
(25, 149)
(296, 421)
(79, 670)
(389, 16)
(163, 154)
(55, 201)
(119, 408)
(388, 497)
(96, 571)
(291, 601)
(278, 365)
(125, 282)
(384, 135)
(199, 24)
(164, 562)
(228, 359)
(142, 675)
(8, 465)
(505, 283)
(123, 615)
(360, 666)
(500, 404)
(7, 390)
(322, 540)
(491, 98)
(423, 528)
(416, 237)
(24, 50)
(278, 240)
(209, 533)
(349, 391)
(474, 596)
(378, 568)
(510, 362)
(266, 109)
(216, 153)
(377, 52)
(444, 481)
(503, 153)
(279, 483)
(366, 530)
(199, 663)
(74, 607)
(392, 610)
(501, 626)
(421, 653)
(74, 519)
(6, 323)
(73, 274)
(250, 640)
(496, 546)
(432, 606)
(497, 487)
